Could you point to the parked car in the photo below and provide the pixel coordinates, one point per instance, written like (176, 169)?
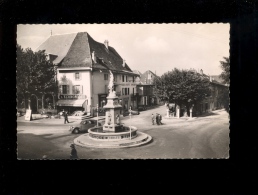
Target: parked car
(134, 112)
(76, 115)
(141, 108)
(84, 125)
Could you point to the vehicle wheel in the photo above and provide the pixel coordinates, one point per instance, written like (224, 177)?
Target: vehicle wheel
(76, 131)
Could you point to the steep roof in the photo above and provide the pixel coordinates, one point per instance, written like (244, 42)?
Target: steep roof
(137, 72)
(148, 77)
(58, 45)
(75, 50)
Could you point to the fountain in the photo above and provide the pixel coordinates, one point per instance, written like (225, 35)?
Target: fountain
(112, 134)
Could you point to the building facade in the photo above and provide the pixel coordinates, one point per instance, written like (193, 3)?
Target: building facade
(83, 72)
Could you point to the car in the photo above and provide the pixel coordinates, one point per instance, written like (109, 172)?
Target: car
(84, 125)
(77, 115)
(134, 112)
(141, 107)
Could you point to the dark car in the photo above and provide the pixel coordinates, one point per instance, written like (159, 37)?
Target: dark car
(141, 107)
(84, 125)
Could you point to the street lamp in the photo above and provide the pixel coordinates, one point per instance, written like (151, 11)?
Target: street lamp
(130, 110)
(97, 115)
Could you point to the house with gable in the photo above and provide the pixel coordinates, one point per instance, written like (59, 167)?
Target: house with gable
(145, 89)
(83, 68)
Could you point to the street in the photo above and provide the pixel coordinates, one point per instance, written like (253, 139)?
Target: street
(202, 137)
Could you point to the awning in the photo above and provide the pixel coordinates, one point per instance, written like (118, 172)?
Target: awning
(76, 103)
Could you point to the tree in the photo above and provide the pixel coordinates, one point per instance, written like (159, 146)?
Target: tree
(225, 65)
(35, 73)
(183, 87)
(223, 98)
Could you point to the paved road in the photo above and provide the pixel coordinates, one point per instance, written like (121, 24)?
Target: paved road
(202, 137)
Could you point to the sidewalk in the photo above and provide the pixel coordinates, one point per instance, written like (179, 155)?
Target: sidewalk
(53, 121)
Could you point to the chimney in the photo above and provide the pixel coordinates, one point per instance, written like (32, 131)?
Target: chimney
(123, 63)
(211, 79)
(201, 71)
(106, 43)
(93, 56)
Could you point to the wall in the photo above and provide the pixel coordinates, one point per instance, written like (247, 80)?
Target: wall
(70, 80)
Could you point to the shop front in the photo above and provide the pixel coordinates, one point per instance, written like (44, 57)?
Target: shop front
(71, 103)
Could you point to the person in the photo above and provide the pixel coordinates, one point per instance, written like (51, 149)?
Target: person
(157, 118)
(65, 117)
(160, 118)
(73, 154)
(153, 119)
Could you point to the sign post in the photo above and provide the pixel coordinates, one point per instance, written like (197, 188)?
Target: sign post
(28, 115)
(97, 115)
(130, 110)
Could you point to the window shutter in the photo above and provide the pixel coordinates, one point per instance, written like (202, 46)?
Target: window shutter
(128, 91)
(60, 89)
(73, 88)
(80, 75)
(81, 89)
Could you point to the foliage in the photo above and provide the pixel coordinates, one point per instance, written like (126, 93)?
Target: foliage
(184, 87)
(223, 98)
(35, 73)
(225, 65)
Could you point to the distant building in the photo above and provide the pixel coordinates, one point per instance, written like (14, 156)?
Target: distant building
(83, 66)
(145, 89)
(212, 102)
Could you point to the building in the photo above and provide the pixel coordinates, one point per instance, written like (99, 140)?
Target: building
(212, 102)
(145, 89)
(83, 72)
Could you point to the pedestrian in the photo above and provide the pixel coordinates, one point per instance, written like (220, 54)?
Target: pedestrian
(157, 118)
(65, 117)
(73, 154)
(153, 119)
(160, 118)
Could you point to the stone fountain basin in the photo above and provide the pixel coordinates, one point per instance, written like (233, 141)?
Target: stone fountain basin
(123, 133)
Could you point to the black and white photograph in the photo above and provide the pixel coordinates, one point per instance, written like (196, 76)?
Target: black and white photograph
(123, 91)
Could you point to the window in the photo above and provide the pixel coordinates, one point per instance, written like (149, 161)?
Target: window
(123, 78)
(105, 76)
(77, 76)
(65, 89)
(115, 77)
(128, 91)
(133, 89)
(133, 78)
(77, 89)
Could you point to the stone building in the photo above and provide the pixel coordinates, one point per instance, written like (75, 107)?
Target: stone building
(83, 71)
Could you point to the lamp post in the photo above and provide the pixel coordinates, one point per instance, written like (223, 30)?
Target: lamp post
(130, 110)
(97, 115)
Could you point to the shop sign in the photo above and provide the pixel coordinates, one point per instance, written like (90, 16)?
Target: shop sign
(72, 96)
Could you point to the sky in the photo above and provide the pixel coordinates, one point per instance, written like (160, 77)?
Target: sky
(156, 47)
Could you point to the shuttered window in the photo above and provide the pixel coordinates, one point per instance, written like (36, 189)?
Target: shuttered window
(77, 89)
(65, 89)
